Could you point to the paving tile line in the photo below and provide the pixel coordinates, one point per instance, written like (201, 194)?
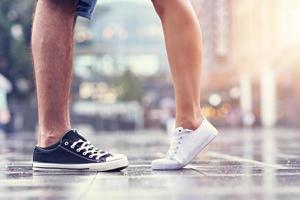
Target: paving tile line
(245, 160)
(284, 155)
(192, 167)
(188, 167)
(87, 188)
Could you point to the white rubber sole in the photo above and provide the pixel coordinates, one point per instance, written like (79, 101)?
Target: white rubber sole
(178, 165)
(114, 165)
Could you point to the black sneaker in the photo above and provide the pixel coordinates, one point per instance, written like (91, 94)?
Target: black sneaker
(73, 152)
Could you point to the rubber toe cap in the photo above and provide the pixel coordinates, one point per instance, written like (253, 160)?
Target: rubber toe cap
(165, 164)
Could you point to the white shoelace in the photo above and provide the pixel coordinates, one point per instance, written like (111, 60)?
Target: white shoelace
(89, 148)
(176, 141)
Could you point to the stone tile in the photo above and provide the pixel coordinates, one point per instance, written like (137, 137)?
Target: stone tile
(18, 181)
(241, 164)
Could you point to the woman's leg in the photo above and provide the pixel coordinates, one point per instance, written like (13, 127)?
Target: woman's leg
(184, 47)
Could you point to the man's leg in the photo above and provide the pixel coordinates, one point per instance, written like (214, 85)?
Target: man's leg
(52, 47)
(184, 46)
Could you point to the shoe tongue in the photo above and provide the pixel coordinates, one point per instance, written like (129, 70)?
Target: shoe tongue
(73, 136)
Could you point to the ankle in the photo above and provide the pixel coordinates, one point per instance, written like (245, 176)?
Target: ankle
(50, 137)
(189, 122)
(46, 142)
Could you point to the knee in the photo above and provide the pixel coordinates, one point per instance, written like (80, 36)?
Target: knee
(160, 6)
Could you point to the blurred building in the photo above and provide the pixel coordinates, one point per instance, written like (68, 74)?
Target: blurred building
(248, 47)
(120, 52)
(221, 92)
(265, 49)
(251, 49)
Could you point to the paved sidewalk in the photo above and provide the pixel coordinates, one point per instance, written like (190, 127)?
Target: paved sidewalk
(240, 164)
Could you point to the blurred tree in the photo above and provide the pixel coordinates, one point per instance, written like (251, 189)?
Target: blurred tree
(15, 56)
(130, 87)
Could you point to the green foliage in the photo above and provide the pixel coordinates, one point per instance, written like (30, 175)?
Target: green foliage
(129, 86)
(15, 56)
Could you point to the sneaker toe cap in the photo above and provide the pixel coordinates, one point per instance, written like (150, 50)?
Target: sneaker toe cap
(116, 157)
(165, 164)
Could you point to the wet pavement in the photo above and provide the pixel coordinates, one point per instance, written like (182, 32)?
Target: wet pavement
(243, 164)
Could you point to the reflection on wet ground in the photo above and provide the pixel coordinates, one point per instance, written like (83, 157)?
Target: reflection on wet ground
(241, 164)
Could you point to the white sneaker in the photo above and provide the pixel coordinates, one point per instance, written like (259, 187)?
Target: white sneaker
(185, 146)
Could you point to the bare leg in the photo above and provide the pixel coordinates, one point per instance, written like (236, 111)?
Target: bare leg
(52, 47)
(184, 46)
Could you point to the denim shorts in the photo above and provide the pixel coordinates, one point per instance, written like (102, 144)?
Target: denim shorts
(85, 8)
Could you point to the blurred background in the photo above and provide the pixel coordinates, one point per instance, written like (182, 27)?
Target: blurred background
(250, 78)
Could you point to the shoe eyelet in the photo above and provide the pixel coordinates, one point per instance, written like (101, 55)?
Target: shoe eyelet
(84, 153)
(90, 156)
(77, 150)
(66, 143)
(72, 147)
